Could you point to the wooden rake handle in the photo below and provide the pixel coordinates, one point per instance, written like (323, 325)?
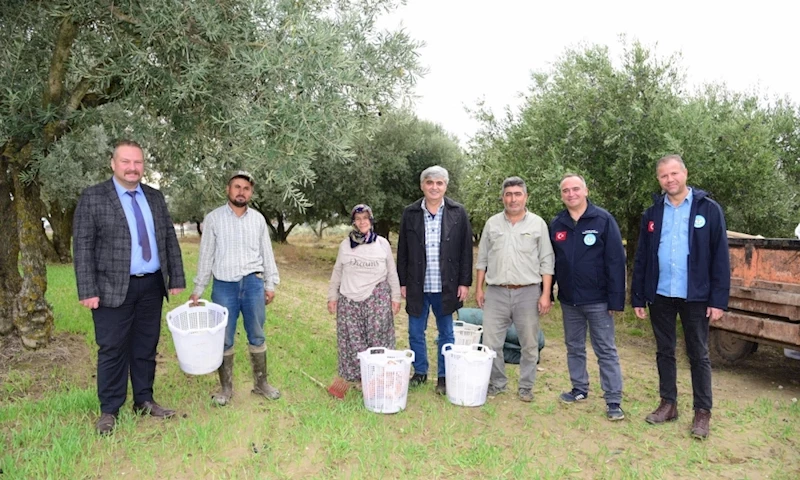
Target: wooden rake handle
(314, 380)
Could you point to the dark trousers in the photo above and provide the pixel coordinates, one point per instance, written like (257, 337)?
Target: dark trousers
(663, 314)
(127, 337)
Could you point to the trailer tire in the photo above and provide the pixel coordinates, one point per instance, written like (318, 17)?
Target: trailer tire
(728, 349)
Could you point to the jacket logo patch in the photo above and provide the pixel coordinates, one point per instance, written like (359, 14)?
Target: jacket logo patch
(699, 221)
(589, 239)
(651, 226)
(561, 236)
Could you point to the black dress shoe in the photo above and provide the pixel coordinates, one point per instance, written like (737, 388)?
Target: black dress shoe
(153, 409)
(106, 423)
(418, 379)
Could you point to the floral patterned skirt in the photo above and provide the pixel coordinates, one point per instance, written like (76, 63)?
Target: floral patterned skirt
(361, 325)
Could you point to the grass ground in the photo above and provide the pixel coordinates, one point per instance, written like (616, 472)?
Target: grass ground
(48, 406)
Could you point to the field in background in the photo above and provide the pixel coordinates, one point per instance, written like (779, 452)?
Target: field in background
(48, 406)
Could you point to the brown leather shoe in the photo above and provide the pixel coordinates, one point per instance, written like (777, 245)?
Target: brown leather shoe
(153, 409)
(700, 424)
(666, 412)
(106, 423)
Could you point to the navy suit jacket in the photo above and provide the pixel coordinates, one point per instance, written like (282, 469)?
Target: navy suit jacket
(102, 244)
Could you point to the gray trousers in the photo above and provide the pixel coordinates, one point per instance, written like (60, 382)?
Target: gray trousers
(601, 333)
(501, 308)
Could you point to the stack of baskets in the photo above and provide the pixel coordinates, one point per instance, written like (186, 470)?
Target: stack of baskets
(198, 333)
(466, 333)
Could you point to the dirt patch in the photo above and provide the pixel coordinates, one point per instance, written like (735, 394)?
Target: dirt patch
(30, 374)
(766, 372)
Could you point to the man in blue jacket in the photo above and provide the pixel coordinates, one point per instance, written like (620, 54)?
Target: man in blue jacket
(681, 268)
(590, 273)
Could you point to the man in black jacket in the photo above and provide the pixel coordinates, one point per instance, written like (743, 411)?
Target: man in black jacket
(434, 263)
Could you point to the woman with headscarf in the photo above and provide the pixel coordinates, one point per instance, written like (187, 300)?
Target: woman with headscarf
(364, 293)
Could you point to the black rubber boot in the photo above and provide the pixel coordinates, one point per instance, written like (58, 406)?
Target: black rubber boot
(260, 385)
(225, 371)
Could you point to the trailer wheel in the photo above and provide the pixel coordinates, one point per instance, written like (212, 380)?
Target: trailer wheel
(728, 349)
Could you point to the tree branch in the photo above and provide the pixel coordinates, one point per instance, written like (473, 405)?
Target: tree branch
(81, 98)
(58, 64)
(93, 100)
(78, 93)
(123, 17)
(13, 146)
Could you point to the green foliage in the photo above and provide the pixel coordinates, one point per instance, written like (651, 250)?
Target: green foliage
(208, 86)
(205, 86)
(611, 120)
(736, 155)
(191, 202)
(384, 171)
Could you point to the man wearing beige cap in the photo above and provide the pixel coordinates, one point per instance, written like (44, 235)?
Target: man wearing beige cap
(236, 251)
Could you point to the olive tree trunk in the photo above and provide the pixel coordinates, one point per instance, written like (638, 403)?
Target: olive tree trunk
(61, 223)
(32, 316)
(9, 250)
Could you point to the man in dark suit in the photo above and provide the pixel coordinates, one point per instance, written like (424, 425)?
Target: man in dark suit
(126, 257)
(434, 263)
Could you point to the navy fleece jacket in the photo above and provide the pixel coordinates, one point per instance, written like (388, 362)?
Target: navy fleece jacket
(708, 263)
(590, 258)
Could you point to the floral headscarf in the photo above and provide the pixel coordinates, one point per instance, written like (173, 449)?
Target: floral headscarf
(356, 237)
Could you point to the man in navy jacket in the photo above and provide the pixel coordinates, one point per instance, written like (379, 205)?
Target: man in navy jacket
(681, 268)
(590, 273)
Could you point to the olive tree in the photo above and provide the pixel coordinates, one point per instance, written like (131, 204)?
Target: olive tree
(611, 119)
(205, 85)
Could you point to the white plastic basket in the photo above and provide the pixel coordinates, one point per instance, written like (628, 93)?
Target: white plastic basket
(466, 333)
(198, 333)
(384, 378)
(467, 371)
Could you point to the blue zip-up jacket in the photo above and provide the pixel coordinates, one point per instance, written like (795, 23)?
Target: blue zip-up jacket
(708, 263)
(590, 258)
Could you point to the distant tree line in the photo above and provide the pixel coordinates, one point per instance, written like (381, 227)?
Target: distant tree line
(611, 119)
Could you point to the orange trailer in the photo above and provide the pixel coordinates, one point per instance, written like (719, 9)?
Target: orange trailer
(764, 303)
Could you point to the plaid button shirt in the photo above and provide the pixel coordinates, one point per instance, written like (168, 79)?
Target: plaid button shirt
(433, 241)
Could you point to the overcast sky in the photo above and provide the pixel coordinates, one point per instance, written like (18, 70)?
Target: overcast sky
(488, 48)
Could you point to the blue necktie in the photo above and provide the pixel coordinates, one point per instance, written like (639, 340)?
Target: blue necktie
(141, 228)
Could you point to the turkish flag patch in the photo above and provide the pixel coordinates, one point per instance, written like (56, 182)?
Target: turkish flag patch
(651, 226)
(561, 236)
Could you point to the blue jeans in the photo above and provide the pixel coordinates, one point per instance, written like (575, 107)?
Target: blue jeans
(245, 296)
(601, 334)
(416, 333)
